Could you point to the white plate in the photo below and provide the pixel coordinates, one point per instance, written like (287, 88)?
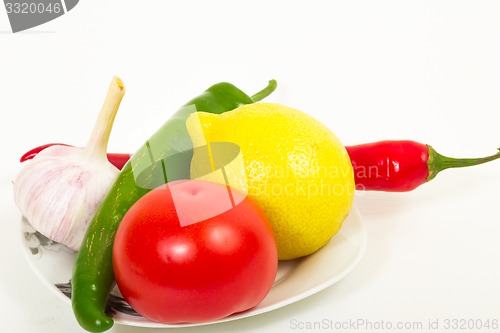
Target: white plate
(296, 279)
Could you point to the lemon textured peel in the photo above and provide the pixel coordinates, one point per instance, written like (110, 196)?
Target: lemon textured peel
(295, 169)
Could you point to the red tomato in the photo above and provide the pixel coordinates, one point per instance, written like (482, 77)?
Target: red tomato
(175, 264)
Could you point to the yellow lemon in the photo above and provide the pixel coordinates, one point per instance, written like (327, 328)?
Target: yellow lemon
(289, 163)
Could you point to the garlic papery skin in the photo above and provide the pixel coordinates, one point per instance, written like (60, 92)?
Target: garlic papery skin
(59, 191)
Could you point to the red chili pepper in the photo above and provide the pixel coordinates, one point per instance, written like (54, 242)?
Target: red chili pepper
(400, 166)
(118, 160)
(33, 152)
(391, 165)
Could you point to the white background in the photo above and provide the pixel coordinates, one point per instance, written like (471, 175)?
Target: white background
(370, 70)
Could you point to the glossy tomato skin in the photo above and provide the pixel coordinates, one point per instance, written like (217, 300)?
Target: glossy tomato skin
(171, 271)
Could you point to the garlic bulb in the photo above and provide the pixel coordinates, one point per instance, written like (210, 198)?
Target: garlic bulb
(60, 189)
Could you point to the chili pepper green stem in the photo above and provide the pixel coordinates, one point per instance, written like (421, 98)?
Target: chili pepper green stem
(438, 162)
(265, 92)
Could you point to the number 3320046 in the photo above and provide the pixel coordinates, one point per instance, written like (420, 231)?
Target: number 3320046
(32, 8)
(468, 324)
